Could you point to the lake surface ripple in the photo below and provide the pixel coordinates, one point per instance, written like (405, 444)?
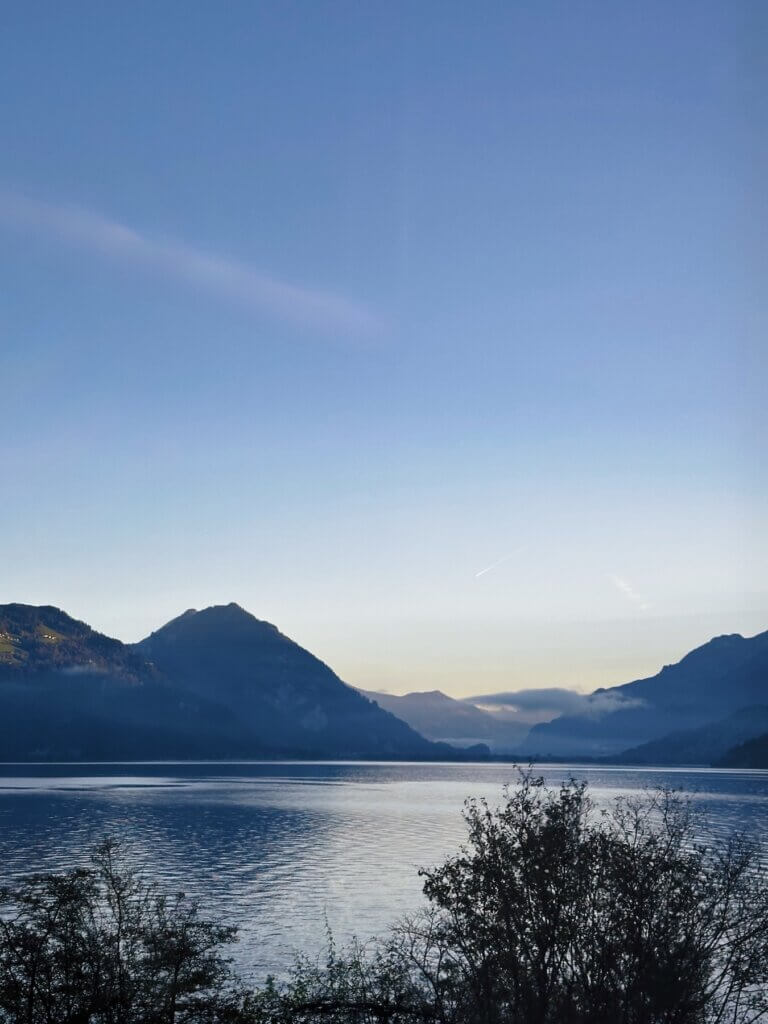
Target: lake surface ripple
(281, 848)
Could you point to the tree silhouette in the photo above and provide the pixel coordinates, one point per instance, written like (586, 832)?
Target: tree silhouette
(553, 913)
(100, 945)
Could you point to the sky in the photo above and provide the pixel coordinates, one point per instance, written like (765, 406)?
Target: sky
(434, 333)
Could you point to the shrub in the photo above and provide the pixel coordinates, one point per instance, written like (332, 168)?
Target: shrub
(555, 914)
(99, 945)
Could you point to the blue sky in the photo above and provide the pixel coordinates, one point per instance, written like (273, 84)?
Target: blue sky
(326, 308)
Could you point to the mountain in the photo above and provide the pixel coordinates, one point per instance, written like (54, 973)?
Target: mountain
(711, 682)
(290, 699)
(44, 642)
(439, 717)
(70, 693)
(704, 745)
(752, 754)
(220, 683)
(211, 684)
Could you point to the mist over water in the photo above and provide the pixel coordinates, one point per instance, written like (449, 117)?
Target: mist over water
(279, 848)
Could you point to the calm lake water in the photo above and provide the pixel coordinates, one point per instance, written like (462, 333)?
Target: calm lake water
(279, 848)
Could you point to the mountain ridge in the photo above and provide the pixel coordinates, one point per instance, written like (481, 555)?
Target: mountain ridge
(266, 675)
(714, 680)
(703, 745)
(221, 683)
(753, 754)
(445, 719)
(68, 692)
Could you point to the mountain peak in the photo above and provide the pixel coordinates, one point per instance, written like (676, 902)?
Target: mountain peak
(222, 621)
(231, 610)
(727, 673)
(231, 615)
(288, 696)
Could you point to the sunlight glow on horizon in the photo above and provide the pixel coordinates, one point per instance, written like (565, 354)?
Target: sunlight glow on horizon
(322, 310)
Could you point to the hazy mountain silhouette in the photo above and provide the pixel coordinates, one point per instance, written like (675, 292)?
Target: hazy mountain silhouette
(703, 745)
(439, 717)
(220, 684)
(289, 698)
(752, 754)
(70, 693)
(45, 641)
(713, 681)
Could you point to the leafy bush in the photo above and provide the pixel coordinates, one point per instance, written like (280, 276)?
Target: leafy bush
(554, 914)
(99, 945)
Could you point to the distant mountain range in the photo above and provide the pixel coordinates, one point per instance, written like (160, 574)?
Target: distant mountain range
(440, 717)
(221, 684)
(217, 683)
(692, 712)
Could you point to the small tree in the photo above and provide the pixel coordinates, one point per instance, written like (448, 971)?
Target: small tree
(555, 914)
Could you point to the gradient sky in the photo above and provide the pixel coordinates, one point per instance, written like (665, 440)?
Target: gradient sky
(328, 307)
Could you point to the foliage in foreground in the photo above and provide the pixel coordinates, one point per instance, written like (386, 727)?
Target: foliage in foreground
(550, 914)
(99, 945)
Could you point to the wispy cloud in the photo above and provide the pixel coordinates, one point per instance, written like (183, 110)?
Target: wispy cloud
(501, 561)
(626, 588)
(229, 280)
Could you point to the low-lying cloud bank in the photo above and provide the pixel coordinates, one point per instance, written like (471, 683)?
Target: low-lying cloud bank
(543, 705)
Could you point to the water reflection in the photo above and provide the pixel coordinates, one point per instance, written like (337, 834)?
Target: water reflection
(277, 847)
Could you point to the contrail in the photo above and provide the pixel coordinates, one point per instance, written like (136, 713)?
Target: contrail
(501, 561)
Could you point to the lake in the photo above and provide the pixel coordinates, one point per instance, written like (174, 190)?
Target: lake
(279, 848)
